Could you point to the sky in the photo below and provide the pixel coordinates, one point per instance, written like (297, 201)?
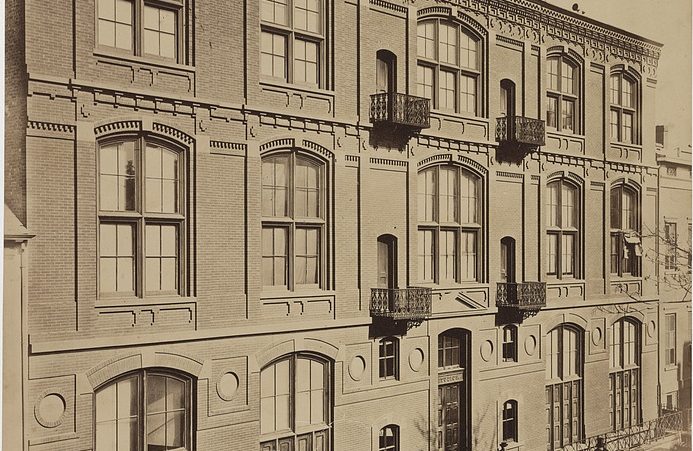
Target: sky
(667, 22)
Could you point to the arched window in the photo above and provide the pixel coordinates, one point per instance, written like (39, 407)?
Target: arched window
(387, 358)
(147, 409)
(564, 359)
(623, 96)
(295, 408)
(624, 373)
(562, 228)
(449, 66)
(449, 199)
(563, 94)
(389, 438)
(141, 217)
(293, 221)
(625, 226)
(510, 343)
(510, 421)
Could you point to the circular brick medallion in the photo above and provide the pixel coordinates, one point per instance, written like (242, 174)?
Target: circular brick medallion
(50, 410)
(530, 345)
(227, 386)
(486, 350)
(357, 368)
(416, 358)
(651, 327)
(597, 336)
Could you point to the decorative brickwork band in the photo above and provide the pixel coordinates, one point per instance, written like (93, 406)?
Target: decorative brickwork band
(124, 126)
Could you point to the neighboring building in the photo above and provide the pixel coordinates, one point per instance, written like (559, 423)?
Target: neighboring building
(332, 225)
(673, 250)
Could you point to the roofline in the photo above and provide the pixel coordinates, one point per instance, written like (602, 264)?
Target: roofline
(586, 18)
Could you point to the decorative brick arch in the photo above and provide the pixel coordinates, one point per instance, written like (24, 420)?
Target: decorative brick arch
(310, 345)
(114, 367)
(303, 145)
(136, 124)
(633, 316)
(565, 318)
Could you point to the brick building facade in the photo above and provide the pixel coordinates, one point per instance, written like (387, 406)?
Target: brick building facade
(329, 225)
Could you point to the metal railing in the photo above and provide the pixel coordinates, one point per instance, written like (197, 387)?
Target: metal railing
(411, 303)
(520, 130)
(674, 425)
(400, 109)
(522, 295)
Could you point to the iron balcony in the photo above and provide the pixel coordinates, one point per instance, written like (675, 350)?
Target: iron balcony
(529, 296)
(519, 131)
(409, 304)
(400, 109)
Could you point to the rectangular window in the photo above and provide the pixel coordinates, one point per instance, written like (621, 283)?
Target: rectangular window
(670, 339)
(670, 245)
(468, 94)
(307, 15)
(117, 177)
(307, 256)
(273, 55)
(627, 134)
(275, 186)
(160, 31)
(448, 194)
(307, 190)
(306, 62)
(551, 112)
(614, 122)
(567, 254)
(426, 40)
(552, 253)
(161, 184)
(448, 255)
(424, 81)
(425, 253)
(116, 258)
(274, 11)
(446, 95)
(274, 256)
(567, 114)
(161, 243)
(115, 23)
(468, 256)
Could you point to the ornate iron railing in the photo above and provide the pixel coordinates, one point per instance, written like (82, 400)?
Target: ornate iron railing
(400, 109)
(413, 303)
(675, 425)
(520, 130)
(524, 295)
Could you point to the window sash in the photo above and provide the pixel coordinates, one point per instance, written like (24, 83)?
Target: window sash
(387, 359)
(562, 97)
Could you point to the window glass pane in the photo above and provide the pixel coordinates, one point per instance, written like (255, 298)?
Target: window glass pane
(552, 250)
(447, 49)
(614, 89)
(448, 255)
(305, 62)
(568, 206)
(448, 194)
(425, 255)
(468, 94)
(468, 198)
(469, 51)
(273, 55)
(552, 204)
(553, 73)
(424, 81)
(627, 94)
(425, 41)
(568, 115)
(567, 249)
(468, 256)
(567, 78)
(614, 125)
(627, 134)
(426, 194)
(307, 189)
(551, 112)
(274, 11)
(447, 93)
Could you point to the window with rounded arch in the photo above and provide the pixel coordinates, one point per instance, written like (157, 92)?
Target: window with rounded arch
(449, 66)
(295, 406)
(145, 409)
(293, 221)
(449, 212)
(564, 385)
(562, 228)
(388, 439)
(624, 373)
(623, 116)
(625, 245)
(563, 95)
(141, 204)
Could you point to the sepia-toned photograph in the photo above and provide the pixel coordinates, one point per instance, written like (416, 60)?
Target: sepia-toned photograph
(347, 225)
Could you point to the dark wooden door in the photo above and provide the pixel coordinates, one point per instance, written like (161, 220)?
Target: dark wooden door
(449, 417)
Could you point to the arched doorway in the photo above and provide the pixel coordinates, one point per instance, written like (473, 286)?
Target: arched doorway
(387, 261)
(385, 68)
